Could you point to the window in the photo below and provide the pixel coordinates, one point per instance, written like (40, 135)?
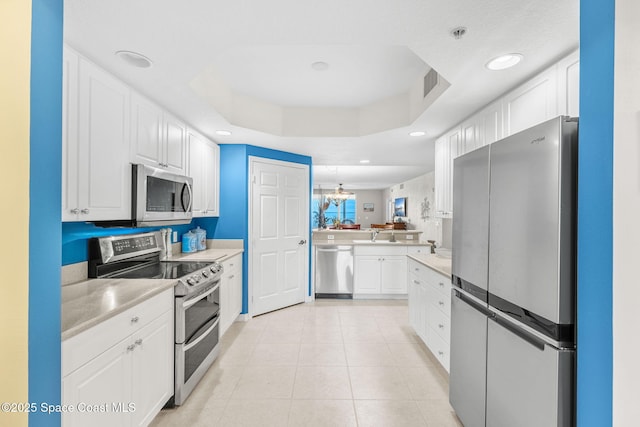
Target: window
(345, 212)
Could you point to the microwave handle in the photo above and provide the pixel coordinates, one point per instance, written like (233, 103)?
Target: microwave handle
(188, 208)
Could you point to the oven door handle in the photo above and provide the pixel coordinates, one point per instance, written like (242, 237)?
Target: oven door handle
(193, 301)
(204, 335)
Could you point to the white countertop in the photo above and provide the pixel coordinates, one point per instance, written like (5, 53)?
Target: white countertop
(89, 302)
(208, 255)
(435, 262)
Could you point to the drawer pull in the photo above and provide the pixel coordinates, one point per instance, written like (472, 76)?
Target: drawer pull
(131, 347)
(232, 276)
(441, 284)
(416, 269)
(441, 303)
(139, 341)
(440, 325)
(441, 353)
(135, 319)
(416, 282)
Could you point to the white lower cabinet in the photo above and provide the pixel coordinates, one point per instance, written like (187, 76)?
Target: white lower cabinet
(379, 271)
(120, 372)
(230, 292)
(430, 309)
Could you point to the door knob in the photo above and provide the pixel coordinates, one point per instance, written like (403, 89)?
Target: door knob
(302, 242)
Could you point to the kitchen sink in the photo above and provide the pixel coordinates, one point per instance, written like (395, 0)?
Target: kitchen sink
(378, 242)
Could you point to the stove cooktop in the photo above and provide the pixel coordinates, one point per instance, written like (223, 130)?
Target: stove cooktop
(163, 270)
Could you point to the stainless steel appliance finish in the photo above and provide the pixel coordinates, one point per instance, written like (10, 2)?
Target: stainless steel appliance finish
(160, 197)
(529, 380)
(470, 260)
(522, 323)
(197, 303)
(196, 338)
(533, 187)
(467, 365)
(334, 271)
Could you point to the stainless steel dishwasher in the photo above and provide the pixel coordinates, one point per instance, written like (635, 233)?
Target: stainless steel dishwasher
(334, 271)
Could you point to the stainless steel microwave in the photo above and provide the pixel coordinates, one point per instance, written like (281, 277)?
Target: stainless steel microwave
(159, 197)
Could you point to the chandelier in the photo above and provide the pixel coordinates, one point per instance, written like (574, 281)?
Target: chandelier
(338, 196)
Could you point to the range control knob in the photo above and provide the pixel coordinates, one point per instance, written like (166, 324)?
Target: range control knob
(205, 273)
(190, 281)
(214, 269)
(196, 277)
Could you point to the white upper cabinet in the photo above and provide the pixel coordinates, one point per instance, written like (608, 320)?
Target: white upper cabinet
(532, 103)
(490, 124)
(96, 176)
(553, 92)
(569, 85)
(447, 148)
(204, 168)
(157, 138)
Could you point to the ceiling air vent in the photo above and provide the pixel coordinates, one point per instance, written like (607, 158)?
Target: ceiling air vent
(430, 81)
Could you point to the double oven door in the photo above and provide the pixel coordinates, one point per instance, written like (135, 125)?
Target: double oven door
(197, 335)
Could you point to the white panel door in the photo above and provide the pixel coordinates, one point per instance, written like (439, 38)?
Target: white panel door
(279, 257)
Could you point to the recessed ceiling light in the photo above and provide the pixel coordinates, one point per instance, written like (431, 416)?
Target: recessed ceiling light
(320, 66)
(364, 162)
(223, 132)
(505, 61)
(135, 59)
(417, 133)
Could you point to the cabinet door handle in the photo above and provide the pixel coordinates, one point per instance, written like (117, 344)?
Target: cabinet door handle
(440, 325)
(75, 211)
(441, 353)
(84, 211)
(416, 282)
(131, 347)
(135, 319)
(139, 341)
(232, 276)
(441, 303)
(416, 269)
(441, 284)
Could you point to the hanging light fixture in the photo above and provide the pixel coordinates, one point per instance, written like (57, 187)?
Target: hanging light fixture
(339, 196)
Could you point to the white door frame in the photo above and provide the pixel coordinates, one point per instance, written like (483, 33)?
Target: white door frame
(250, 273)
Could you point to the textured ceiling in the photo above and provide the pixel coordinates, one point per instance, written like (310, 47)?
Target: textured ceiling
(264, 50)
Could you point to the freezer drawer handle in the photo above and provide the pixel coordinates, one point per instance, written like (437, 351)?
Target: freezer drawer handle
(539, 344)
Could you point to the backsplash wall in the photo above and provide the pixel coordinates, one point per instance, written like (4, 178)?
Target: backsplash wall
(76, 235)
(420, 194)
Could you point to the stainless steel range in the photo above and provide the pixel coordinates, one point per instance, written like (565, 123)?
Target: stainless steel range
(197, 302)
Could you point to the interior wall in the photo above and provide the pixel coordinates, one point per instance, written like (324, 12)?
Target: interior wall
(626, 205)
(595, 216)
(374, 197)
(420, 194)
(15, 39)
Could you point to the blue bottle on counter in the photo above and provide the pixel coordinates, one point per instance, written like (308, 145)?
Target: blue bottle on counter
(189, 242)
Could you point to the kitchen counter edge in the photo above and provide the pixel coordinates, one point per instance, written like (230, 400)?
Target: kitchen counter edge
(434, 262)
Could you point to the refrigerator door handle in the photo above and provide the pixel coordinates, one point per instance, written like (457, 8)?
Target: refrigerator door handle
(472, 303)
(534, 341)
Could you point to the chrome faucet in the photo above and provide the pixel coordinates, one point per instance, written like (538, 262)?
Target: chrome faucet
(374, 234)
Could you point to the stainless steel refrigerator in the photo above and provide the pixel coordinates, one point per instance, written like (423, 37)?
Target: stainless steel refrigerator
(514, 276)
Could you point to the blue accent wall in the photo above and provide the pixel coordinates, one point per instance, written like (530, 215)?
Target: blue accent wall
(76, 235)
(44, 217)
(234, 197)
(595, 215)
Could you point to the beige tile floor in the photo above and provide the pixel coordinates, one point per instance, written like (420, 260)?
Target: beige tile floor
(327, 363)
